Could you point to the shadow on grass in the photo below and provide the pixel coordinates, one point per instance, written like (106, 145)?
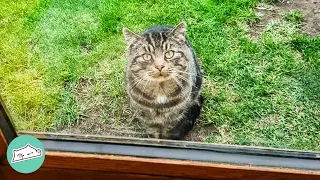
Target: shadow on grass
(309, 81)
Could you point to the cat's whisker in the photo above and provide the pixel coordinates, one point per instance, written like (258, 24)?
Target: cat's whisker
(137, 81)
(178, 82)
(180, 86)
(186, 80)
(192, 74)
(150, 73)
(135, 84)
(145, 85)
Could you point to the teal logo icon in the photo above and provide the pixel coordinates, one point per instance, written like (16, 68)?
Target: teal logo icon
(26, 154)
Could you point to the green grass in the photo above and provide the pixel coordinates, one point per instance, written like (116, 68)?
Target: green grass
(294, 16)
(259, 93)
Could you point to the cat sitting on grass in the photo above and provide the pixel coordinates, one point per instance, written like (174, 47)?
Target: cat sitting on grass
(163, 80)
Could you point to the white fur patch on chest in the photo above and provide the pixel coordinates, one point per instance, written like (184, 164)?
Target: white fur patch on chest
(161, 99)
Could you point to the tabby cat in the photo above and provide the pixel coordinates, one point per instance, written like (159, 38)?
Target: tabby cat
(163, 80)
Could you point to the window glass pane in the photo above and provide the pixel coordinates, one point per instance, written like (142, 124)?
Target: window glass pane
(67, 67)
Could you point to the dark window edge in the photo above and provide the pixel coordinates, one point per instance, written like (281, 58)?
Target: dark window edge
(6, 125)
(237, 149)
(180, 154)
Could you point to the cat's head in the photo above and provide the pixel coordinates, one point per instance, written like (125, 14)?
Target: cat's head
(158, 54)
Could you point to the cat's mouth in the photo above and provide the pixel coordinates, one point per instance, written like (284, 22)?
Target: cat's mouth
(162, 74)
(162, 78)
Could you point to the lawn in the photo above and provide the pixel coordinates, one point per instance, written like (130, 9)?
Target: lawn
(62, 62)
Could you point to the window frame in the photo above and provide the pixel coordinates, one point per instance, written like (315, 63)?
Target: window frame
(101, 157)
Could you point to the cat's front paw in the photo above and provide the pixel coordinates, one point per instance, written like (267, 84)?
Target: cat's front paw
(155, 136)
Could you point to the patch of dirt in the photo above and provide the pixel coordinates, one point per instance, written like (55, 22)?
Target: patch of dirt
(85, 48)
(270, 12)
(93, 119)
(201, 132)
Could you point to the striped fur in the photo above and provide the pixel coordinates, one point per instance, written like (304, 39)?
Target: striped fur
(170, 98)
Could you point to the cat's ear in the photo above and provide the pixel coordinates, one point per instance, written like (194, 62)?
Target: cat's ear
(179, 32)
(130, 36)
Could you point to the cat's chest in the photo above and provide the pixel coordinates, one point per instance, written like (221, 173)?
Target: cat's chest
(162, 117)
(162, 91)
(159, 95)
(161, 99)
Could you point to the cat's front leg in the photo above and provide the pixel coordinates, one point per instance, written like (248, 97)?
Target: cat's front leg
(155, 131)
(186, 123)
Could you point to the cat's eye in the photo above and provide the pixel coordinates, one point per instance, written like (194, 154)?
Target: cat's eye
(146, 57)
(169, 54)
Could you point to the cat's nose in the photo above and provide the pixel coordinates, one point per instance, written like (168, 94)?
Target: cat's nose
(159, 67)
